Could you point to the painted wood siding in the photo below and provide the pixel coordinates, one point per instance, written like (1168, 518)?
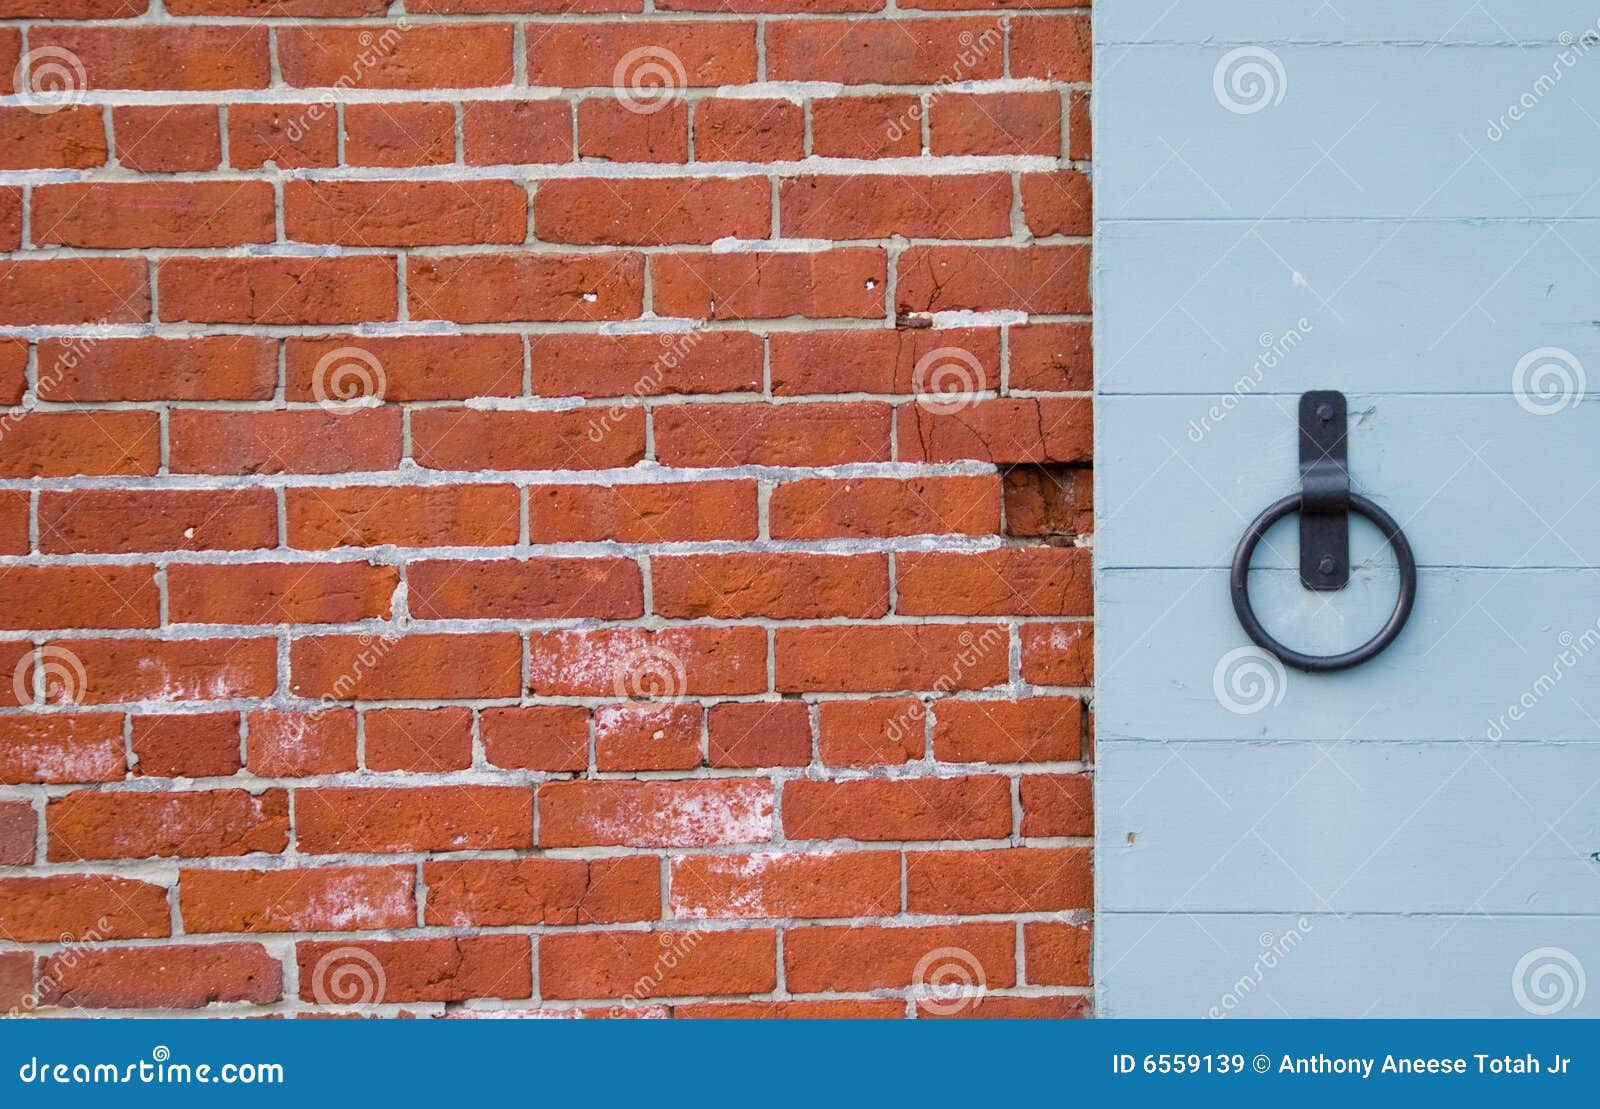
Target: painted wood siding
(1400, 202)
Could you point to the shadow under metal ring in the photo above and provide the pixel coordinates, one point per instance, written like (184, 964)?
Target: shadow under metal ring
(1240, 587)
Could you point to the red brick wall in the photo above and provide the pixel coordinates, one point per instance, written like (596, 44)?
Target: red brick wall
(544, 505)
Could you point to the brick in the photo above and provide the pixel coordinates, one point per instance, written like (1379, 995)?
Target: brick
(542, 737)
(876, 508)
(1037, 279)
(62, 444)
(16, 982)
(300, 744)
(961, 360)
(1012, 581)
(11, 221)
(1006, 430)
(445, 969)
(400, 135)
(407, 667)
(689, 813)
(503, 288)
(515, 132)
(221, 367)
(169, 138)
(10, 55)
(1079, 126)
(19, 832)
(650, 664)
(144, 520)
(14, 522)
(645, 365)
(803, 7)
(854, 52)
(305, 899)
(74, 290)
(506, 892)
(664, 513)
(1056, 356)
(405, 516)
(1049, 501)
(786, 586)
(176, 976)
(72, 9)
(1051, 47)
(290, 136)
(901, 809)
(878, 205)
(1058, 654)
(863, 658)
(1037, 729)
(420, 818)
(349, 289)
(527, 589)
(581, 439)
(870, 958)
(792, 1010)
(995, 1007)
(885, 731)
(1056, 954)
(652, 211)
(756, 130)
(417, 367)
(79, 597)
(1008, 123)
(56, 908)
(612, 131)
(89, 825)
(883, 126)
(404, 213)
(279, 593)
(13, 370)
(186, 745)
(672, 964)
(60, 748)
(164, 55)
(631, 55)
(1057, 805)
(733, 887)
(546, 7)
(426, 741)
(316, 9)
(418, 56)
(848, 281)
(1013, 880)
(759, 734)
(1057, 203)
(173, 671)
(828, 433)
(303, 441)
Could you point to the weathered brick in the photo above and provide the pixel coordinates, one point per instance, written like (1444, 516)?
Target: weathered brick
(90, 825)
(502, 892)
(175, 976)
(695, 813)
(612, 964)
(306, 899)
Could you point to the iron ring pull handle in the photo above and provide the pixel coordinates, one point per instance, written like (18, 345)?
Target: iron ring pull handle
(1322, 664)
(1324, 503)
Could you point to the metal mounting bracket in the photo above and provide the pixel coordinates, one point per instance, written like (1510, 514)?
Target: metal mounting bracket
(1325, 490)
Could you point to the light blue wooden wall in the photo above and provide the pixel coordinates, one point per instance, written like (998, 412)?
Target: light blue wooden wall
(1405, 207)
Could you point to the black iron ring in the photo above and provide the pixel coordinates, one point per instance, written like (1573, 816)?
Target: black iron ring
(1321, 664)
